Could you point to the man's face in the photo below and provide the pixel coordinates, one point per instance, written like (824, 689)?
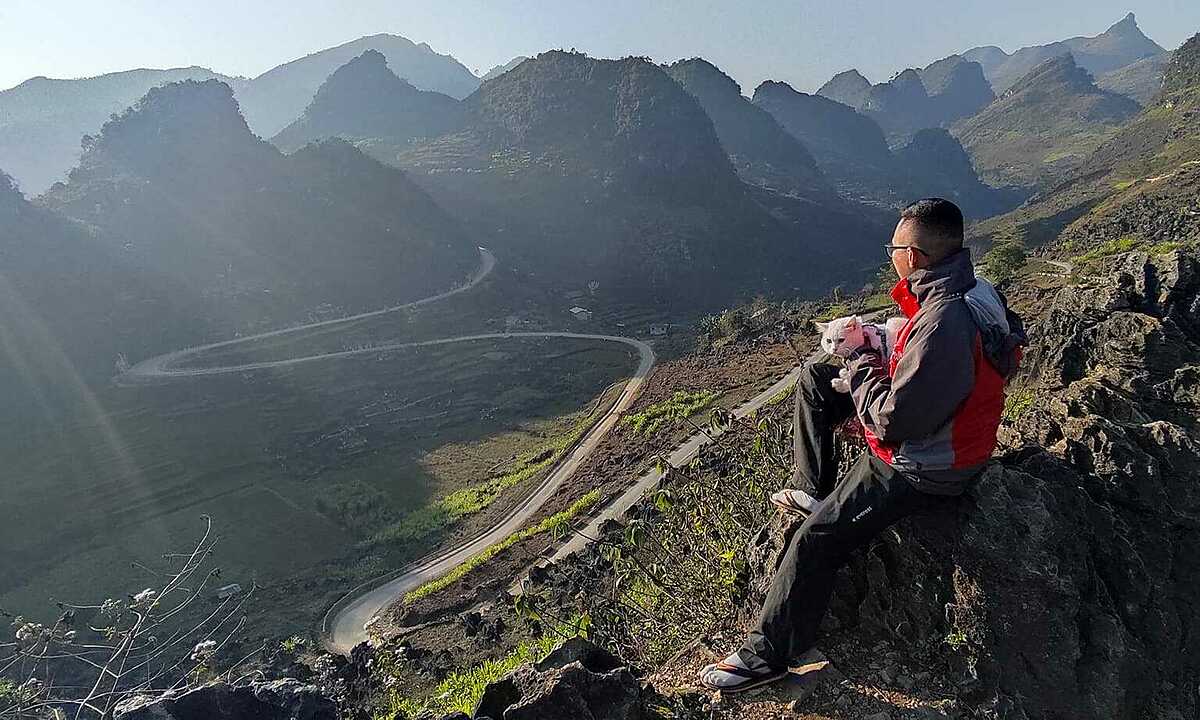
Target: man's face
(905, 261)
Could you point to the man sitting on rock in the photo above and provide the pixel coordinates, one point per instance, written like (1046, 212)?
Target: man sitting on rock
(929, 416)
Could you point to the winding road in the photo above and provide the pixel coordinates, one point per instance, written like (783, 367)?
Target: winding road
(342, 626)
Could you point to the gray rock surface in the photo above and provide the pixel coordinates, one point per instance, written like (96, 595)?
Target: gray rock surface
(577, 681)
(277, 700)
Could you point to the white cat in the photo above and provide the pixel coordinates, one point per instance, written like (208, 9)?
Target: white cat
(842, 336)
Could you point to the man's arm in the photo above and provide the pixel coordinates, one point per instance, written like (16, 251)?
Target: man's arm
(934, 375)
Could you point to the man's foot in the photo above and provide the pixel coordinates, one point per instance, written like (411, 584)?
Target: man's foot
(735, 674)
(795, 502)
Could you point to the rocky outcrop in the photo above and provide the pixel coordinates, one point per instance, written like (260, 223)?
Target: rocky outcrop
(1064, 583)
(278, 700)
(577, 681)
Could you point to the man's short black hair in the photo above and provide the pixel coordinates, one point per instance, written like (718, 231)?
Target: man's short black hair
(939, 224)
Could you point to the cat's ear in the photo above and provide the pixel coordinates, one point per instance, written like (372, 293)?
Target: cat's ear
(821, 326)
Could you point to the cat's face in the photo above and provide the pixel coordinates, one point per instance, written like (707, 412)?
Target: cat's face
(835, 333)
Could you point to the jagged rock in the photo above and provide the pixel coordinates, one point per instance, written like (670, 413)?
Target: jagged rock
(576, 681)
(278, 700)
(1063, 585)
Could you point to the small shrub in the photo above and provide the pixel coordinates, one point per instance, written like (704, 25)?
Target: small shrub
(1003, 261)
(1017, 403)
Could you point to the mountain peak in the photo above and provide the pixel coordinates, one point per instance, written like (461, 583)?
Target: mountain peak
(365, 99)
(848, 87)
(9, 192)
(186, 111)
(1125, 24)
(762, 152)
(699, 75)
(1060, 71)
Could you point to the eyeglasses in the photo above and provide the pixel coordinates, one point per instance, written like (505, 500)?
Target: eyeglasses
(893, 248)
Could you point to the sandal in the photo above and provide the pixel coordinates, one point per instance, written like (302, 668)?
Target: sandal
(732, 675)
(795, 502)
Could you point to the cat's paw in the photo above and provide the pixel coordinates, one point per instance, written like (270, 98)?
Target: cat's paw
(841, 383)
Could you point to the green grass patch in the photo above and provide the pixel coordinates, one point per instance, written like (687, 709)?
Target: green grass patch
(681, 405)
(1110, 248)
(461, 690)
(782, 395)
(1017, 403)
(431, 519)
(554, 522)
(1124, 184)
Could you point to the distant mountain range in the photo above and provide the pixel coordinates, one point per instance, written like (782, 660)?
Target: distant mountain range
(42, 120)
(945, 91)
(365, 99)
(609, 170)
(1057, 102)
(1124, 185)
(851, 149)
(1044, 126)
(1119, 46)
(277, 97)
(243, 236)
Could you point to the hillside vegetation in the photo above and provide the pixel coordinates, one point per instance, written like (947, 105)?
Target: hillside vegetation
(1141, 159)
(1043, 127)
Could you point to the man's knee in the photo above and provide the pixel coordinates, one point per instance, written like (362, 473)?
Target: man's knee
(818, 542)
(815, 378)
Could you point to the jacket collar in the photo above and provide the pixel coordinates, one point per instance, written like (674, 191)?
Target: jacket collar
(953, 275)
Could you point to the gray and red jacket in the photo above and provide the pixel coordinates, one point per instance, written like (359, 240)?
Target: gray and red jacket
(934, 409)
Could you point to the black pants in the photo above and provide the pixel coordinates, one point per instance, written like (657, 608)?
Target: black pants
(872, 496)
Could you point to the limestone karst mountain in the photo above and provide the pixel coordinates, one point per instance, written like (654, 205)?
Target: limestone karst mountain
(42, 120)
(1151, 162)
(957, 88)
(609, 169)
(1122, 44)
(277, 97)
(762, 152)
(848, 87)
(365, 99)
(1044, 126)
(181, 188)
(1140, 80)
(849, 146)
(852, 151)
(936, 96)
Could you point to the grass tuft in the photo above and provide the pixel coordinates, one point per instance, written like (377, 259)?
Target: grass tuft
(681, 405)
(460, 691)
(425, 522)
(558, 520)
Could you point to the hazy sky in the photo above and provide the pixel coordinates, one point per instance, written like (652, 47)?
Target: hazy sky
(803, 43)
